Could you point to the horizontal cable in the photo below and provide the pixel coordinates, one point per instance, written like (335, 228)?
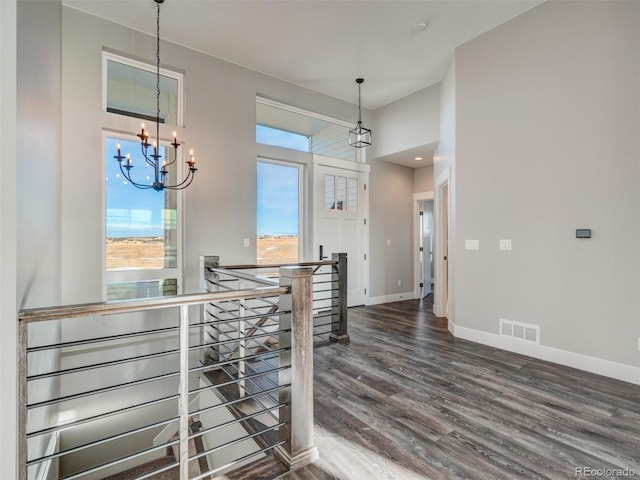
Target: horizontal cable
(325, 324)
(101, 339)
(252, 337)
(241, 399)
(278, 265)
(118, 461)
(212, 366)
(235, 420)
(247, 317)
(243, 276)
(236, 461)
(102, 390)
(237, 380)
(101, 416)
(236, 441)
(101, 441)
(93, 366)
(323, 315)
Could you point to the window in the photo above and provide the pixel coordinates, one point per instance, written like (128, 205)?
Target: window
(141, 230)
(340, 193)
(142, 241)
(281, 138)
(130, 89)
(278, 211)
(314, 132)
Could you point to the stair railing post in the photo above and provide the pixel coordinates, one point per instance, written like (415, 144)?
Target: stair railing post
(339, 326)
(22, 399)
(208, 279)
(298, 449)
(183, 400)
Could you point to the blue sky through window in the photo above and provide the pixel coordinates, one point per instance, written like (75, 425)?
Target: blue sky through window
(280, 138)
(278, 199)
(132, 212)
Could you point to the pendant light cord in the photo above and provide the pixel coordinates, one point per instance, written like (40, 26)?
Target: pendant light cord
(158, 77)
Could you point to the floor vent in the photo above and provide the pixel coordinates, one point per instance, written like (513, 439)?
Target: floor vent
(519, 330)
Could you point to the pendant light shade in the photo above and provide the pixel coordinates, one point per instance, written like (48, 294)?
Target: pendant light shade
(359, 136)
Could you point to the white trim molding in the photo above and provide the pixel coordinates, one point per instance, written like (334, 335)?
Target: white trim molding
(599, 366)
(395, 297)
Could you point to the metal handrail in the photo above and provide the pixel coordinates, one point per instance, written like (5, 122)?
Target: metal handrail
(126, 306)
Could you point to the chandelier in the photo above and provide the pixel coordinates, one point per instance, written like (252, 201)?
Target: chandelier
(155, 160)
(359, 136)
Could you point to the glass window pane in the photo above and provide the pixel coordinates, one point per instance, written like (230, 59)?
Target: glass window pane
(329, 192)
(131, 91)
(341, 193)
(278, 208)
(141, 225)
(142, 289)
(353, 195)
(281, 138)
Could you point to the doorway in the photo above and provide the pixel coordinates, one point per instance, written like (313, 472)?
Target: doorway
(442, 202)
(423, 243)
(341, 208)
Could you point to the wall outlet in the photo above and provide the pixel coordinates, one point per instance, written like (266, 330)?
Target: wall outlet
(388, 243)
(472, 244)
(505, 244)
(399, 283)
(246, 242)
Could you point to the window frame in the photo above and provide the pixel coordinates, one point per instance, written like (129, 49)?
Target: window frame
(108, 56)
(301, 198)
(141, 274)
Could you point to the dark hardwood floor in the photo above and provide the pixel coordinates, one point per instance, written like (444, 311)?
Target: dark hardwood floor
(405, 400)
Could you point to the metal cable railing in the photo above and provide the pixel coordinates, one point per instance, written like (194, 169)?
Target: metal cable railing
(141, 387)
(329, 289)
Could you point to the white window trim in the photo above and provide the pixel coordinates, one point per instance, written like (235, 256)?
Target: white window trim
(133, 274)
(178, 76)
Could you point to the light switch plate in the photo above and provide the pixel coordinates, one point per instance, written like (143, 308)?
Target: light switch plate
(505, 244)
(472, 244)
(246, 242)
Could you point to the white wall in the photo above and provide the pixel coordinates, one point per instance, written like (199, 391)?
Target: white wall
(547, 116)
(444, 166)
(391, 219)
(407, 123)
(8, 303)
(423, 179)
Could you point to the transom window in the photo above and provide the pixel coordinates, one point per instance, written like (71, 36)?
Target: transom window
(130, 90)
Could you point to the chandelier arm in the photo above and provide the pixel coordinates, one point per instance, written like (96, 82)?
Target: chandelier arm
(189, 178)
(127, 175)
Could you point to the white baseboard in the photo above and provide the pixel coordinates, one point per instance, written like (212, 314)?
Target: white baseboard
(452, 327)
(607, 368)
(396, 297)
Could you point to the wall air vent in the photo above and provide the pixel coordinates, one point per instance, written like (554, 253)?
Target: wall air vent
(519, 330)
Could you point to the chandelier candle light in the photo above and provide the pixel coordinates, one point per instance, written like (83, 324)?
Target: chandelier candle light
(155, 159)
(359, 136)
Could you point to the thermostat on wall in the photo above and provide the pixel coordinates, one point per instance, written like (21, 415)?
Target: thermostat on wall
(583, 233)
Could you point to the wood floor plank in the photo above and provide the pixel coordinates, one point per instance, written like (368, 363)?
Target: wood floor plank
(405, 400)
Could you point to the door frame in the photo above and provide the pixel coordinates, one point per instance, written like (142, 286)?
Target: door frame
(321, 160)
(418, 198)
(442, 222)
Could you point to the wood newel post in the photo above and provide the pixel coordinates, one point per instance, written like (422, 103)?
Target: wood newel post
(22, 399)
(298, 449)
(339, 327)
(208, 279)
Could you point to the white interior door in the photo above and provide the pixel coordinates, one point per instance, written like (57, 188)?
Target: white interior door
(427, 247)
(340, 211)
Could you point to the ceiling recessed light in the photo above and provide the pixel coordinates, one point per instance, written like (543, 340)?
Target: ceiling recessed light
(421, 26)
(418, 159)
